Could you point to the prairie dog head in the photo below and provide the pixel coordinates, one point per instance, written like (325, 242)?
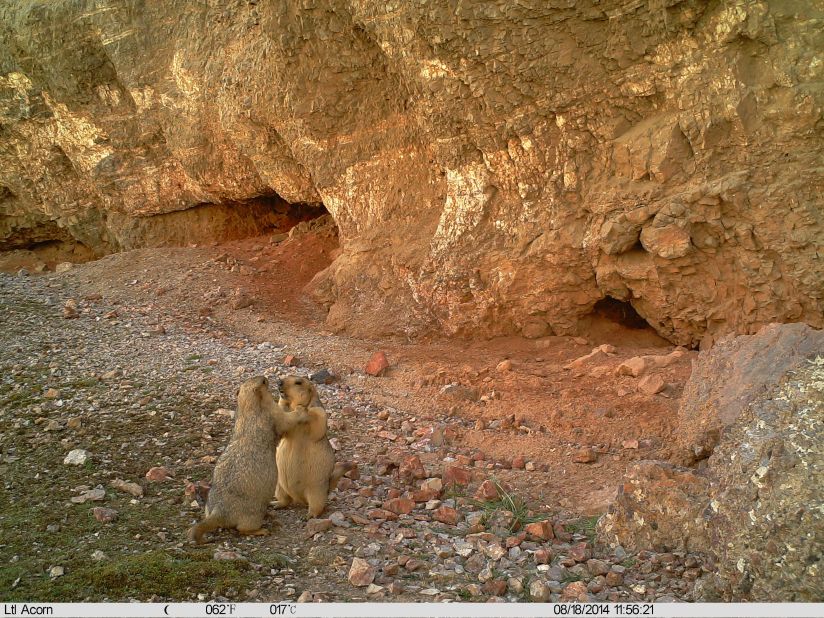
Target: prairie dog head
(296, 391)
(253, 397)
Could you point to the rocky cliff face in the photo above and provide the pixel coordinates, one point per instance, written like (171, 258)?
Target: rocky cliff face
(493, 167)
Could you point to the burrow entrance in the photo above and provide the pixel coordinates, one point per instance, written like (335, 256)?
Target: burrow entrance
(617, 321)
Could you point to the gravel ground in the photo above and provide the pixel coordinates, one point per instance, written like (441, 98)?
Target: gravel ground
(135, 395)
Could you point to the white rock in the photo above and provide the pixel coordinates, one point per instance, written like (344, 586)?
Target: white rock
(77, 457)
(57, 571)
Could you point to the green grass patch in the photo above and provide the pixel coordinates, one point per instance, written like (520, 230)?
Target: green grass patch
(140, 576)
(585, 525)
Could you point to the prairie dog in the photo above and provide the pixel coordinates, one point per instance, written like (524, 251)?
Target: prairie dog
(245, 476)
(306, 460)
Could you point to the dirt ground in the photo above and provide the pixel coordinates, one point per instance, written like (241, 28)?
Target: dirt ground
(554, 411)
(164, 337)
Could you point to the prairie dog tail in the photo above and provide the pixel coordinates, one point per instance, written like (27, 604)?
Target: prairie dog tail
(339, 470)
(196, 532)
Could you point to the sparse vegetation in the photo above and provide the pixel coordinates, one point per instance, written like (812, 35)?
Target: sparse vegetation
(507, 502)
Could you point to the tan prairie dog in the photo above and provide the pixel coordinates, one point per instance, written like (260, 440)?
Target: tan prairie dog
(306, 461)
(245, 476)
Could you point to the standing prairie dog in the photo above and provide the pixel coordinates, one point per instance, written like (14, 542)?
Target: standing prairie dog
(245, 476)
(306, 461)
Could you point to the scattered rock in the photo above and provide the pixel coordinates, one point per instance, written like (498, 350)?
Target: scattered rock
(316, 526)
(70, 309)
(158, 474)
(411, 468)
(130, 488)
(446, 515)
(575, 591)
(56, 571)
(77, 457)
(104, 515)
(651, 385)
(539, 591)
(456, 475)
(540, 530)
(377, 365)
(323, 376)
(585, 455)
(361, 573)
(99, 556)
(504, 365)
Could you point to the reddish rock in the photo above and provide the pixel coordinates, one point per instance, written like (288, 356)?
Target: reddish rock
(574, 591)
(361, 573)
(455, 475)
(315, 526)
(580, 552)
(412, 469)
(540, 530)
(446, 515)
(514, 541)
(651, 385)
(413, 564)
(393, 493)
(585, 455)
(518, 463)
(543, 556)
(487, 491)
(158, 474)
(401, 506)
(382, 514)
(423, 495)
(614, 579)
(290, 360)
(377, 365)
(494, 587)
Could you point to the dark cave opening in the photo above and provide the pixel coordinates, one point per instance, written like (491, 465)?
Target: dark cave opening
(620, 312)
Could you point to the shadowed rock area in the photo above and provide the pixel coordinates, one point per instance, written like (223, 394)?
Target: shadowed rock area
(494, 168)
(754, 405)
